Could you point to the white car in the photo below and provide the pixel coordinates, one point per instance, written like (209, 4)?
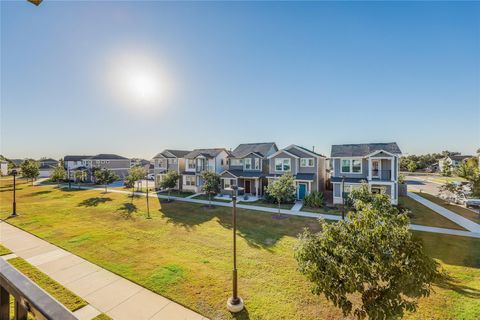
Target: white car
(472, 203)
(151, 176)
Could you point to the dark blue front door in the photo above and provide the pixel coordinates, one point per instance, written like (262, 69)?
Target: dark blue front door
(302, 190)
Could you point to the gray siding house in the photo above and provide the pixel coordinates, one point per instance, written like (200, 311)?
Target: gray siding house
(169, 160)
(118, 164)
(306, 166)
(248, 166)
(199, 160)
(375, 163)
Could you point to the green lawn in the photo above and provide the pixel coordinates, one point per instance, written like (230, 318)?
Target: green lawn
(184, 253)
(69, 299)
(4, 251)
(446, 179)
(205, 197)
(425, 216)
(469, 214)
(263, 203)
(323, 210)
(175, 193)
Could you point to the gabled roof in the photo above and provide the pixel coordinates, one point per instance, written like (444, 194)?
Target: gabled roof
(108, 156)
(363, 149)
(48, 160)
(460, 157)
(207, 153)
(296, 152)
(75, 158)
(168, 153)
(260, 149)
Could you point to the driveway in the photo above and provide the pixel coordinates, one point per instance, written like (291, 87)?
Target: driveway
(421, 184)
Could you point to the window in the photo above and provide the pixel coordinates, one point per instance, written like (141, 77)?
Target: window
(228, 183)
(356, 166)
(306, 162)
(248, 164)
(98, 161)
(191, 164)
(189, 180)
(351, 166)
(257, 164)
(346, 166)
(236, 162)
(282, 164)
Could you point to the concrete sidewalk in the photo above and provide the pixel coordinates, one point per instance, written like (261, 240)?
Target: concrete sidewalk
(450, 215)
(105, 291)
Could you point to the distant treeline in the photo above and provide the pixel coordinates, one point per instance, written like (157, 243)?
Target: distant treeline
(427, 162)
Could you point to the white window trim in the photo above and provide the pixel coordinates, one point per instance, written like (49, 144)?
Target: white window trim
(307, 161)
(283, 164)
(257, 162)
(249, 160)
(351, 166)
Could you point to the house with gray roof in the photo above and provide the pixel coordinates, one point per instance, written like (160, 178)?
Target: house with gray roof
(118, 164)
(199, 160)
(452, 161)
(374, 163)
(306, 166)
(46, 167)
(248, 166)
(169, 160)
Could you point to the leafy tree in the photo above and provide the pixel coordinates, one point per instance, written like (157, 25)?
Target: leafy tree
(468, 169)
(412, 166)
(367, 265)
(80, 176)
(447, 169)
(105, 177)
(30, 169)
(314, 200)
(211, 184)
(134, 175)
(281, 189)
(170, 180)
(58, 175)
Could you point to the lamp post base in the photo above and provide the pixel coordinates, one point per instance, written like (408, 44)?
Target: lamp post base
(235, 306)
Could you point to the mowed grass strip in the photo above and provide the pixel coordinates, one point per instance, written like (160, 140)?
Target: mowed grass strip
(184, 253)
(425, 216)
(466, 213)
(4, 250)
(66, 297)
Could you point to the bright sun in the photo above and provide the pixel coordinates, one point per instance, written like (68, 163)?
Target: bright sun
(136, 81)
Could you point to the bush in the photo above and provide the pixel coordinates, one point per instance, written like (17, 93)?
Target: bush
(287, 200)
(314, 200)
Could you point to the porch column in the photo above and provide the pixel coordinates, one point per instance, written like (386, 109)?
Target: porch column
(256, 186)
(369, 169)
(309, 187)
(392, 165)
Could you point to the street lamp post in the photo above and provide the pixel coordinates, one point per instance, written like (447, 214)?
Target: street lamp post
(14, 174)
(234, 303)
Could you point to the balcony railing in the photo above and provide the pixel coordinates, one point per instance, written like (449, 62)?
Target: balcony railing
(199, 169)
(29, 298)
(381, 174)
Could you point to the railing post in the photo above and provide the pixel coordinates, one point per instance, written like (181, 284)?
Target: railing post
(4, 304)
(20, 311)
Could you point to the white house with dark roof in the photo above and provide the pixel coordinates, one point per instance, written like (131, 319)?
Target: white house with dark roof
(46, 167)
(169, 160)
(453, 161)
(375, 163)
(306, 166)
(199, 160)
(248, 167)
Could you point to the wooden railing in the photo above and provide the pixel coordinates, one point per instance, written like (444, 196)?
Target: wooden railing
(28, 298)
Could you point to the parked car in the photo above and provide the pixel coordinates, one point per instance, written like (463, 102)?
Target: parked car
(470, 203)
(151, 176)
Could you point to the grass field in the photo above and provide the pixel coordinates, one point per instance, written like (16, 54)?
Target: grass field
(184, 253)
(205, 197)
(469, 214)
(423, 215)
(263, 203)
(3, 250)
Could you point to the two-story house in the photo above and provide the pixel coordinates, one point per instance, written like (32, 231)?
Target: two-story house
(453, 162)
(46, 167)
(72, 163)
(375, 163)
(199, 160)
(248, 166)
(118, 164)
(306, 166)
(169, 160)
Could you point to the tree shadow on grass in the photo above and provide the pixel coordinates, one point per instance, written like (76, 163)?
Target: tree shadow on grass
(127, 210)
(93, 202)
(39, 193)
(185, 214)
(449, 283)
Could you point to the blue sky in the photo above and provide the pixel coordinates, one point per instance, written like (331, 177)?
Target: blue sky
(313, 74)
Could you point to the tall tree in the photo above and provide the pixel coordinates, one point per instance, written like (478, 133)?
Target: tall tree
(282, 189)
(105, 177)
(30, 169)
(80, 176)
(58, 175)
(447, 169)
(135, 174)
(367, 265)
(169, 181)
(211, 184)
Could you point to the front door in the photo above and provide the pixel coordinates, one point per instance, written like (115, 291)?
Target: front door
(302, 190)
(247, 186)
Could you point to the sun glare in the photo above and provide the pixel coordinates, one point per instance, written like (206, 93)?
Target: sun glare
(137, 82)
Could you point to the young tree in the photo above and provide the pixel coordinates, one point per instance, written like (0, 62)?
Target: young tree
(30, 169)
(80, 176)
(412, 166)
(447, 169)
(281, 189)
(105, 177)
(211, 184)
(134, 174)
(367, 265)
(58, 175)
(170, 181)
